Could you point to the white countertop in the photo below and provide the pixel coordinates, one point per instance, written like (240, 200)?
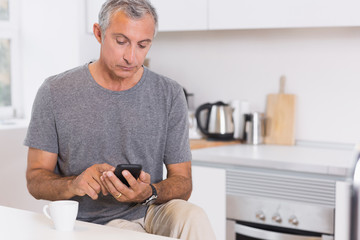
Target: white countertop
(13, 124)
(319, 160)
(25, 225)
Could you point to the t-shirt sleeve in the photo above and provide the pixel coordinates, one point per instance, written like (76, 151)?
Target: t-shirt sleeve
(177, 142)
(41, 133)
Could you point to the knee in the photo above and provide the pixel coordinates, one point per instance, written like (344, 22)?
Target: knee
(186, 213)
(191, 222)
(179, 219)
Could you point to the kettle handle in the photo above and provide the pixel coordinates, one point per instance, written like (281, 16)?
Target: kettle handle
(197, 116)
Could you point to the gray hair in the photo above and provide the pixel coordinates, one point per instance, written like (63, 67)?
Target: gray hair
(134, 9)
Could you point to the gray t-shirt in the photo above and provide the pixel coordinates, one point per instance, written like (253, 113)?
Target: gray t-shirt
(86, 124)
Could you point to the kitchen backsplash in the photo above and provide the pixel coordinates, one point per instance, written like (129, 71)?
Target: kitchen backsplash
(321, 66)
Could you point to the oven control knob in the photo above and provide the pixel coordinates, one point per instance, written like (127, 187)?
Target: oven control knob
(260, 215)
(277, 218)
(293, 220)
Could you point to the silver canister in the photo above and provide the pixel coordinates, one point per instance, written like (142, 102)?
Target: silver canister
(254, 128)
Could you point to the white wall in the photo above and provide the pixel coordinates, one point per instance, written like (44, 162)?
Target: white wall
(322, 66)
(49, 42)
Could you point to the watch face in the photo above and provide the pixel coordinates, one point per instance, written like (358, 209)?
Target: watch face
(151, 200)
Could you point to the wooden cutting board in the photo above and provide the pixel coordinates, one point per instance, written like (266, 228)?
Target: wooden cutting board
(203, 143)
(280, 117)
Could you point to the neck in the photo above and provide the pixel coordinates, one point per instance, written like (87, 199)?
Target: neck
(108, 80)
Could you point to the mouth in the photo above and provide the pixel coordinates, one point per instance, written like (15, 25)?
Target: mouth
(126, 68)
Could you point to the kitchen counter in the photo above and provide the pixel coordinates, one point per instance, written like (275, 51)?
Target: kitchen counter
(318, 160)
(203, 143)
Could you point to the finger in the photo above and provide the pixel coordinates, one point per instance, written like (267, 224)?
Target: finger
(105, 167)
(109, 186)
(114, 180)
(95, 185)
(90, 192)
(82, 187)
(114, 185)
(130, 179)
(144, 177)
(95, 182)
(104, 189)
(96, 176)
(101, 184)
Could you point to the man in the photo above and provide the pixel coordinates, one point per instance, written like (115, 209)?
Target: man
(87, 120)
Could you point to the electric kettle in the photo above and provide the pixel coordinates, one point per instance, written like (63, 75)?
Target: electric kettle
(218, 123)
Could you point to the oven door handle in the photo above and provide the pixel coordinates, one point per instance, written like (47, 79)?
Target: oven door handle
(269, 235)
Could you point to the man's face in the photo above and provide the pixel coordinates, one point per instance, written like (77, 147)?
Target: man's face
(126, 43)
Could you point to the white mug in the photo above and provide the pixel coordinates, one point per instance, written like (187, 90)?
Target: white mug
(63, 213)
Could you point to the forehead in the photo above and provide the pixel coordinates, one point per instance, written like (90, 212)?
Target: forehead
(123, 24)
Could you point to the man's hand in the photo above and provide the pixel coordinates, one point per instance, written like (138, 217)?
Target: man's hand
(44, 183)
(89, 183)
(138, 191)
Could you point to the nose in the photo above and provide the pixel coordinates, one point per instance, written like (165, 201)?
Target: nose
(129, 54)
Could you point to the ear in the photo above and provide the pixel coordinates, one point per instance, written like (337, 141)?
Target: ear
(97, 32)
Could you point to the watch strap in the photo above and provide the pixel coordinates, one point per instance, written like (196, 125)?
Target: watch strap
(152, 198)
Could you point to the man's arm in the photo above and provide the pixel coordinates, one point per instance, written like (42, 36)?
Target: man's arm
(43, 183)
(178, 184)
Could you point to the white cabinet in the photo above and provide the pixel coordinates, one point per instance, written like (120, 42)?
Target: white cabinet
(13, 163)
(188, 15)
(250, 14)
(175, 15)
(209, 192)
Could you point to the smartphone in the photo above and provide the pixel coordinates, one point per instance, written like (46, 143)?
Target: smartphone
(134, 169)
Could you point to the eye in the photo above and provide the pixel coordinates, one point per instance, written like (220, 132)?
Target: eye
(143, 44)
(120, 40)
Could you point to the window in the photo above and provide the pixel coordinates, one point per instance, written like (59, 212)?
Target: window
(5, 84)
(4, 10)
(9, 63)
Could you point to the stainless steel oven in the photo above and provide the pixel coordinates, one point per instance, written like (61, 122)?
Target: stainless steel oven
(251, 231)
(355, 200)
(275, 205)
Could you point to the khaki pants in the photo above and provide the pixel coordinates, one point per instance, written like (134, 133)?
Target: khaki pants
(176, 218)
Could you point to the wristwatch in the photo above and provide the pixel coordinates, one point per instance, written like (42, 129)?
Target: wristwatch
(150, 200)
